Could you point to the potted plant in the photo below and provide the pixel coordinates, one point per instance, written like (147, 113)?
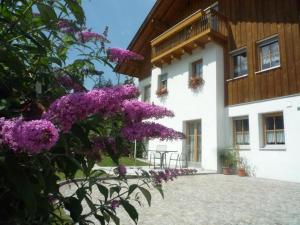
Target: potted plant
(195, 81)
(241, 170)
(162, 91)
(228, 161)
(241, 164)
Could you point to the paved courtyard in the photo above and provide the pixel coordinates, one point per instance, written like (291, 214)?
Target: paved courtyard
(222, 200)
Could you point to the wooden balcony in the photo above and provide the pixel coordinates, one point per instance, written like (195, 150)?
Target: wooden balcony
(193, 32)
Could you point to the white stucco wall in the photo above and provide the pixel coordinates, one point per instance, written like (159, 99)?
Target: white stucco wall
(206, 104)
(279, 162)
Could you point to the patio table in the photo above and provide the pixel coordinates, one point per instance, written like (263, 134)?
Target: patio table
(162, 154)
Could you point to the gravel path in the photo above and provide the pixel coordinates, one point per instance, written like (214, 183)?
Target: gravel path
(221, 200)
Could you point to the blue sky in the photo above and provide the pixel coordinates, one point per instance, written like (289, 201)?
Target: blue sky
(123, 17)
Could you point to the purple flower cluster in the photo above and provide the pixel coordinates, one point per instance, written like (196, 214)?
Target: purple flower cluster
(138, 131)
(119, 55)
(68, 109)
(169, 174)
(136, 111)
(122, 170)
(66, 26)
(30, 136)
(115, 204)
(85, 36)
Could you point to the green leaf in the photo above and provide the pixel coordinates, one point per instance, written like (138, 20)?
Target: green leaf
(73, 205)
(113, 217)
(21, 182)
(159, 188)
(100, 218)
(103, 190)
(114, 189)
(130, 210)
(55, 60)
(147, 195)
(80, 132)
(77, 10)
(90, 204)
(132, 188)
(80, 193)
(48, 14)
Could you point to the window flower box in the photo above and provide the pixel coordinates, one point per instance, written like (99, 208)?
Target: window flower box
(162, 91)
(195, 82)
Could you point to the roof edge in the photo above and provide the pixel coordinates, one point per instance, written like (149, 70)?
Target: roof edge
(137, 34)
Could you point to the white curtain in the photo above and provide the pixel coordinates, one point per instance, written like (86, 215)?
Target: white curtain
(280, 137)
(246, 137)
(239, 138)
(270, 137)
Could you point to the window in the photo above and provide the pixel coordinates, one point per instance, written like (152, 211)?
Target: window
(269, 53)
(163, 81)
(274, 129)
(147, 93)
(197, 68)
(162, 84)
(241, 131)
(239, 63)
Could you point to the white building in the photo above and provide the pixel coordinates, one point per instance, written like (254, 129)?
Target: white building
(226, 86)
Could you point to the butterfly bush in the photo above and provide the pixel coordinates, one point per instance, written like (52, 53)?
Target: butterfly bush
(85, 36)
(122, 170)
(136, 111)
(100, 143)
(119, 55)
(66, 26)
(67, 82)
(138, 131)
(169, 174)
(74, 107)
(32, 136)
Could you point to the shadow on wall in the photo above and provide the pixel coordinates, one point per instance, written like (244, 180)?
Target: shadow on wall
(250, 169)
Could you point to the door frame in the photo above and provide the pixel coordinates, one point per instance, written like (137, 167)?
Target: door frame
(197, 144)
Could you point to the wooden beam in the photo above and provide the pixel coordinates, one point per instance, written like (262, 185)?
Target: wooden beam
(166, 60)
(186, 50)
(197, 44)
(179, 26)
(175, 56)
(202, 37)
(157, 64)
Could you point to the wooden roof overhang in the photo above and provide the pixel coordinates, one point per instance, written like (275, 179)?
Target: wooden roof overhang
(160, 27)
(157, 21)
(194, 31)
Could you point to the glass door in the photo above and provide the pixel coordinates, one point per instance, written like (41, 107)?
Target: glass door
(193, 141)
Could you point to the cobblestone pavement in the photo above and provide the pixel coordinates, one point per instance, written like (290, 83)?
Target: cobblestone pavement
(221, 200)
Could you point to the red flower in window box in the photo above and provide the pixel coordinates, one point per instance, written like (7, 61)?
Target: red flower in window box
(195, 82)
(162, 91)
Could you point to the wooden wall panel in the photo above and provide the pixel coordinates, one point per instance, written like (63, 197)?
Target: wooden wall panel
(251, 21)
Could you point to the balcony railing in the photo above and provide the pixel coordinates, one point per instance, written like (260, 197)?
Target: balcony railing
(196, 30)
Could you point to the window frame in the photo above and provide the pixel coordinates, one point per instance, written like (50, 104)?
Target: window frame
(194, 68)
(160, 81)
(146, 87)
(234, 54)
(268, 42)
(265, 130)
(234, 132)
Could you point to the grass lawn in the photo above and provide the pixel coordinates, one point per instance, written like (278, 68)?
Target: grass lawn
(127, 161)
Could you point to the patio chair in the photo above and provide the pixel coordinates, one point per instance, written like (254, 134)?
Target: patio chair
(154, 156)
(177, 157)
